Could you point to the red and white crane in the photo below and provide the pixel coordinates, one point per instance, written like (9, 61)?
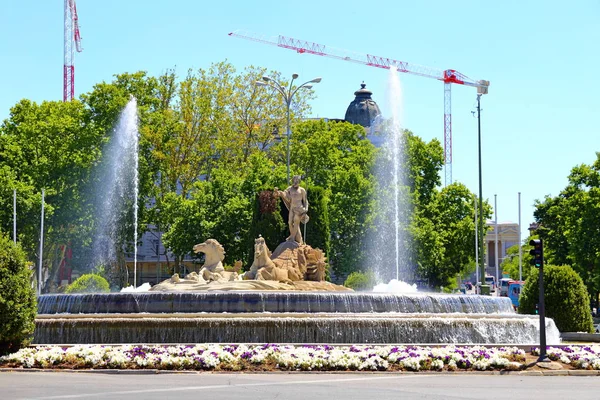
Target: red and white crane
(72, 43)
(448, 76)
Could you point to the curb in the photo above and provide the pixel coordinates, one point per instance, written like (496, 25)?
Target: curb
(576, 372)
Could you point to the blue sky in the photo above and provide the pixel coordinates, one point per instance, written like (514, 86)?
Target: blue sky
(541, 58)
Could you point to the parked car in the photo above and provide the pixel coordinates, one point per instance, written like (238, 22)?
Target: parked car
(503, 286)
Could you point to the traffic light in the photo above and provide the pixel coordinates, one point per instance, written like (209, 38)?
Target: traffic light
(537, 252)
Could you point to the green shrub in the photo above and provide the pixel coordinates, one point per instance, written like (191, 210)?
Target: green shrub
(565, 296)
(18, 305)
(360, 281)
(317, 229)
(267, 222)
(89, 283)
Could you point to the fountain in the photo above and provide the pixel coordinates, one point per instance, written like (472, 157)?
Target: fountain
(250, 316)
(299, 307)
(116, 192)
(215, 305)
(388, 247)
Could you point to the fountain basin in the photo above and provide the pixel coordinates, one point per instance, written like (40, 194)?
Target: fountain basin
(271, 301)
(283, 317)
(304, 328)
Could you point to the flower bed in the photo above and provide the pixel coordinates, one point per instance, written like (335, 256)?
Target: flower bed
(271, 357)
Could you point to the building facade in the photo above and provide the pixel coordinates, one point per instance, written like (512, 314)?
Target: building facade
(507, 235)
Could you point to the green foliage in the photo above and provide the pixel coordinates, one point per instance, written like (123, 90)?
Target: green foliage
(209, 142)
(89, 283)
(267, 222)
(17, 299)
(28, 207)
(510, 264)
(566, 298)
(337, 157)
(444, 232)
(360, 281)
(569, 224)
(221, 207)
(50, 145)
(317, 230)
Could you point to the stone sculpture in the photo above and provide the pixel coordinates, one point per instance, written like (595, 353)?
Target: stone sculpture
(293, 265)
(291, 262)
(212, 270)
(294, 198)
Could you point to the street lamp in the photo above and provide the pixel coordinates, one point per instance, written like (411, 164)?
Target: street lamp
(485, 289)
(288, 94)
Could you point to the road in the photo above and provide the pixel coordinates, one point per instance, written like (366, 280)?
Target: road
(292, 386)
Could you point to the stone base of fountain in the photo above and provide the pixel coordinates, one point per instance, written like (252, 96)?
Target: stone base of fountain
(285, 328)
(191, 286)
(282, 317)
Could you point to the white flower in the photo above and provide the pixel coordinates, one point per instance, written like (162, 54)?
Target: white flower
(481, 365)
(412, 364)
(452, 365)
(437, 365)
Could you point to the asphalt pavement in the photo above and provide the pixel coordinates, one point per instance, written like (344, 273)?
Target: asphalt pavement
(293, 386)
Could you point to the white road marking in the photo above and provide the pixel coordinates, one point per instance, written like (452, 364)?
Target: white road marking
(188, 388)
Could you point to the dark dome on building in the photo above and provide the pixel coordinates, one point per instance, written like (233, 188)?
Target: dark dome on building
(363, 109)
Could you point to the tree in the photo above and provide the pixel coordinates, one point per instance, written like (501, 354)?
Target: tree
(510, 264)
(445, 233)
(28, 208)
(259, 113)
(49, 146)
(455, 221)
(338, 158)
(220, 208)
(436, 225)
(565, 298)
(104, 104)
(569, 225)
(219, 121)
(17, 298)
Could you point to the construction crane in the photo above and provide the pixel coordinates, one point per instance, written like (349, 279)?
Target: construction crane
(448, 76)
(72, 43)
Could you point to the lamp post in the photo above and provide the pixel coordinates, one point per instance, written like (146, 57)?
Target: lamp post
(288, 94)
(485, 289)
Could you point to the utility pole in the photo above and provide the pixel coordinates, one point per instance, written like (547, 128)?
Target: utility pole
(520, 244)
(41, 247)
(477, 276)
(15, 215)
(496, 240)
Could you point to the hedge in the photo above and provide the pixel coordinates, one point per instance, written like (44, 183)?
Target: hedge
(89, 283)
(566, 298)
(18, 306)
(360, 281)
